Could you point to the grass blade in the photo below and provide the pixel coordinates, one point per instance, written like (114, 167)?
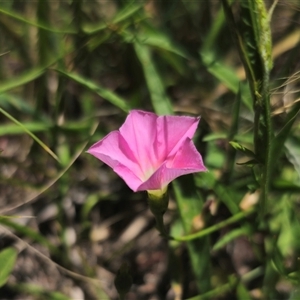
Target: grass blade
(127, 12)
(43, 145)
(160, 101)
(45, 187)
(22, 79)
(27, 232)
(8, 258)
(189, 206)
(102, 92)
(35, 24)
(31, 126)
(159, 39)
(227, 76)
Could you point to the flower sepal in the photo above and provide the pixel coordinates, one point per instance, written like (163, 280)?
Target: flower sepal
(158, 203)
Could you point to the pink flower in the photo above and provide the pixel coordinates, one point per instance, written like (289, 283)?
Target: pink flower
(150, 151)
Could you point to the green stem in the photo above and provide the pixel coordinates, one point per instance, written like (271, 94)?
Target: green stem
(268, 134)
(216, 227)
(233, 281)
(221, 290)
(158, 203)
(160, 225)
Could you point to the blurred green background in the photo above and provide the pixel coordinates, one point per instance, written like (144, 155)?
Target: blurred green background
(69, 73)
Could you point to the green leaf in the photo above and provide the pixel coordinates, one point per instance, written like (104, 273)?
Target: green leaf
(295, 294)
(228, 196)
(127, 12)
(8, 258)
(22, 79)
(215, 157)
(243, 138)
(102, 92)
(189, 204)
(46, 43)
(226, 75)
(28, 232)
(242, 149)
(214, 136)
(292, 151)
(42, 144)
(9, 100)
(123, 280)
(60, 174)
(242, 292)
(230, 236)
(281, 137)
(211, 39)
(31, 126)
(160, 101)
(90, 202)
(153, 37)
(249, 163)
(33, 23)
(218, 291)
(38, 292)
(233, 130)
(205, 180)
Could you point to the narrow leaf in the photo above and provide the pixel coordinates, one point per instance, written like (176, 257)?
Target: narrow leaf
(190, 205)
(154, 37)
(22, 79)
(226, 75)
(16, 129)
(102, 92)
(8, 258)
(127, 12)
(28, 232)
(33, 23)
(230, 236)
(242, 292)
(160, 100)
(243, 149)
(43, 145)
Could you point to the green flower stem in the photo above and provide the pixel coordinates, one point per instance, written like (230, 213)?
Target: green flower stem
(221, 290)
(268, 135)
(233, 281)
(254, 43)
(158, 204)
(123, 281)
(160, 225)
(216, 227)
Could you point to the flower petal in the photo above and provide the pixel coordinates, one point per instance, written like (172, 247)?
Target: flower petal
(128, 176)
(155, 181)
(187, 160)
(173, 130)
(139, 130)
(114, 151)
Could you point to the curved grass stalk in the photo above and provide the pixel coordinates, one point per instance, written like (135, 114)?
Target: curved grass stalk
(42, 144)
(44, 188)
(235, 218)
